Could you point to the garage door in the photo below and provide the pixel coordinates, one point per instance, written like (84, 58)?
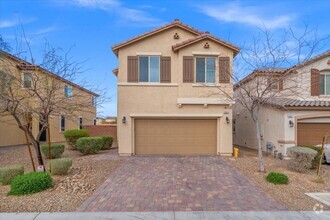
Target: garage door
(312, 133)
(175, 136)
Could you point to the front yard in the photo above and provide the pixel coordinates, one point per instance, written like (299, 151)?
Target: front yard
(69, 191)
(292, 195)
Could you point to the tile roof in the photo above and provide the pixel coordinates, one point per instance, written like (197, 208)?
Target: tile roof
(201, 37)
(24, 65)
(288, 102)
(270, 70)
(175, 23)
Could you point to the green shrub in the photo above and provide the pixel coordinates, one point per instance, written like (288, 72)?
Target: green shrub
(316, 160)
(60, 166)
(107, 142)
(56, 150)
(301, 158)
(277, 178)
(89, 145)
(30, 183)
(71, 136)
(10, 172)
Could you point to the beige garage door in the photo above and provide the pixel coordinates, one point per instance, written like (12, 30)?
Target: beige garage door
(312, 133)
(175, 136)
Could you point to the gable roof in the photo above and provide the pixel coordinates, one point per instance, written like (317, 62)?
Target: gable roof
(277, 71)
(203, 36)
(24, 65)
(175, 23)
(311, 60)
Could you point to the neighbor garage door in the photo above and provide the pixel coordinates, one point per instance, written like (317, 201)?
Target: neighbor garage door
(312, 133)
(175, 136)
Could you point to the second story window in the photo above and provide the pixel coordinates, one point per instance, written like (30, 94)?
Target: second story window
(93, 101)
(205, 70)
(68, 91)
(275, 84)
(325, 84)
(27, 80)
(149, 69)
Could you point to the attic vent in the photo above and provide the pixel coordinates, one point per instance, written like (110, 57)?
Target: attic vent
(176, 36)
(206, 46)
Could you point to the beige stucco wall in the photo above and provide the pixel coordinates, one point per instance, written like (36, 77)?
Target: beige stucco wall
(161, 100)
(10, 134)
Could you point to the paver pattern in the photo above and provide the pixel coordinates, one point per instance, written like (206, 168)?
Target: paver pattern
(178, 183)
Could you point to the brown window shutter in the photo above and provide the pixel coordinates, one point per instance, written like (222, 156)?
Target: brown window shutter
(165, 69)
(315, 82)
(188, 69)
(280, 86)
(224, 70)
(132, 69)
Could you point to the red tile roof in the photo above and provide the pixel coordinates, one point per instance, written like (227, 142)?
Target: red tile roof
(203, 36)
(175, 23)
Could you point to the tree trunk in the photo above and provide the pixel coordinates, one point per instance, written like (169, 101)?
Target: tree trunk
(260, 158)
(39, 156)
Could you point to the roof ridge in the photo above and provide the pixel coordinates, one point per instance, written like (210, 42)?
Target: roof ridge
(148, 33)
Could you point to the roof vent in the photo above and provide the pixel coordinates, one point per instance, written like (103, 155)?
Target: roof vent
(207, 32)
(176, 19)
(206, 46)
(176, 36)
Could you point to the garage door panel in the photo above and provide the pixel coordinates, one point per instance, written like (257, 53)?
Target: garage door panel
(312, 133)
(175, 136)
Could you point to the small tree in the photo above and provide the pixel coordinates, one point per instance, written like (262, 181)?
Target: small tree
(39, 93)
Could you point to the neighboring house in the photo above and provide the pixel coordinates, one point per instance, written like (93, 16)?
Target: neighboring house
(175, 92)
(110, 120)
(300, 117)
(10, 134)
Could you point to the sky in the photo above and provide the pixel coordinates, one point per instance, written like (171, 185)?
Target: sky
(88, 28)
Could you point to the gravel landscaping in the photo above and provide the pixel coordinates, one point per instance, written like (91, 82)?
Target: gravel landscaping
(69, 191)
(292, 195)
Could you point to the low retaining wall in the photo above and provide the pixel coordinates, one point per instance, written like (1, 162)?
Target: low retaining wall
(102, 130)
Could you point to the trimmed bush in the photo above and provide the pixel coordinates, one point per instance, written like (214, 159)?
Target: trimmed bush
(10, 172)
(60, 166)
(71, 136)
(301, 158)
(56, 150)
(107, 142)
(30, 183)
(277, 178)
(89, 145)
(316, 160)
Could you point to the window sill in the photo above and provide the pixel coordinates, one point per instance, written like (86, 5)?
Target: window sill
(149, 84)
(205, 85)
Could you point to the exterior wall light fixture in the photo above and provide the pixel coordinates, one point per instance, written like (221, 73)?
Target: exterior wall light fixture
(124, 120)
(227, 120)
(291, 123)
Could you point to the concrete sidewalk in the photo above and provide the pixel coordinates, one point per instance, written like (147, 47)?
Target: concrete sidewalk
(166, 215)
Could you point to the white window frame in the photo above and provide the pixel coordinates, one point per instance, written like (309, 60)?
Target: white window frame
(148, 68)
(326, 75)
(82, 120)
(205, 69)
(61, 123)
(23, 80)
(65, 95)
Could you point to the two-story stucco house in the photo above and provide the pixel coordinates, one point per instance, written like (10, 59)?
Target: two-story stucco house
(175, 92)
(300, 117)
(69, 93)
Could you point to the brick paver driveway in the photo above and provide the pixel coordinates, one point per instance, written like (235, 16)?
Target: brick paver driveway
(178, 183)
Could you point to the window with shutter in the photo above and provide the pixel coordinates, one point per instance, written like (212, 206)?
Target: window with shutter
(315, 82)
(224, 70)
(132, 69)
(165, 69)
(324, 85)
(188, 69)
(205, 70)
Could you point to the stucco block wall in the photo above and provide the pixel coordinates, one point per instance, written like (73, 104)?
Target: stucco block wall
(102, 130)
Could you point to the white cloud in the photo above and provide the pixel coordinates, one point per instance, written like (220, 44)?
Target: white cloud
(125, 14)
(15, 21)
(45, 30)
(254, 16)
